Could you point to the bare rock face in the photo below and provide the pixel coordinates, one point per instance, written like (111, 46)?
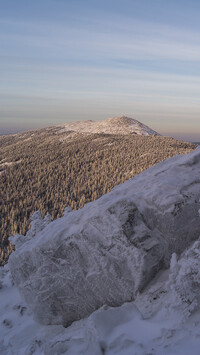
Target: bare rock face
(110, 249)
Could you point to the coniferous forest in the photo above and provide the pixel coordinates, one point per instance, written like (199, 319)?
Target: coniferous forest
(46, 171)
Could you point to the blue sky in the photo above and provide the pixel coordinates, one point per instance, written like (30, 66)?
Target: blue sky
(63, 61)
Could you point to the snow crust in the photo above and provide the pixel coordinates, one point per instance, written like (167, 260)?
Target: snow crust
(109, 251)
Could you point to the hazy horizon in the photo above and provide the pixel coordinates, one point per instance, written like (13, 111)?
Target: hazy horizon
(187, 138)
(65, 61)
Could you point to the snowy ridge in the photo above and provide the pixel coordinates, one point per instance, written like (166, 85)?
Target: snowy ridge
(114, 125)
(149, 226)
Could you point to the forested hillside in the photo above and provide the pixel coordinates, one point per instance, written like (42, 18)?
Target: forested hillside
(49, 171)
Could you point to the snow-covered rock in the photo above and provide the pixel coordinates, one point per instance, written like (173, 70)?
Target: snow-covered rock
(37, 225)
(109, 250)
(150, 325)
(184, 281)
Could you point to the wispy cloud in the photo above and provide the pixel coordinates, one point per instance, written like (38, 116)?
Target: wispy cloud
(148, 42)
(88, 62)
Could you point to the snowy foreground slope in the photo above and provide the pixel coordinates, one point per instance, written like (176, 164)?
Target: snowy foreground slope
(108, 254)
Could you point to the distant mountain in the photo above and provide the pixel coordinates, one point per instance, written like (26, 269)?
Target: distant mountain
(114, 125)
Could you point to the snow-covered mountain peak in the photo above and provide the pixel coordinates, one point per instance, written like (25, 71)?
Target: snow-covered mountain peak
(128, 125)
(113, 125)
(122, 120)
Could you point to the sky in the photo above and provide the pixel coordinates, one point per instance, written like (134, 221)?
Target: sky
(69, 60)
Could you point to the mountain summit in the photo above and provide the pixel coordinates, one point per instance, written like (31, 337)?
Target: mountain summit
(114, 125)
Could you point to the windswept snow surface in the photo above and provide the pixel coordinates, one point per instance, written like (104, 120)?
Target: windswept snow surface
(113, 125)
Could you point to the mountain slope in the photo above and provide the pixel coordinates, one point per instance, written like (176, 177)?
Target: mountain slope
(109, 250)
(49, 169)
(163, 319)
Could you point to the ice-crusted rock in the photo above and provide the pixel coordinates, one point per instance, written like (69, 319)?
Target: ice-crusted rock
(175, 292)
(110, 249)
(184, 281)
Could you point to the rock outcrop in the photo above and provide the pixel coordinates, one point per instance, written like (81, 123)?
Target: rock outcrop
(110, 249)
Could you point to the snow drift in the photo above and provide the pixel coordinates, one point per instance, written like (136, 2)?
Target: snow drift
(109, 250)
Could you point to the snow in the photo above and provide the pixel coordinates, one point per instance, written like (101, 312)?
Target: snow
(139, 243)
(114, 125)
(4, 164)
(147, 326)
(109, 250)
